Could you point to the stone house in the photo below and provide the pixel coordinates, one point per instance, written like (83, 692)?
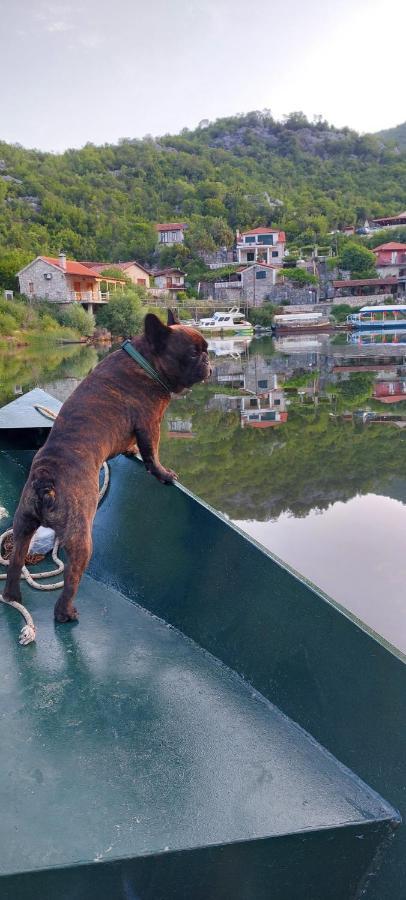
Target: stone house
(137, 273)
(170, 233)
(265, 245)
(248, 284)
(61, 280)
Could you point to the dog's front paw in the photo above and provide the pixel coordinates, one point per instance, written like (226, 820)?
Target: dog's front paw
(165, 476)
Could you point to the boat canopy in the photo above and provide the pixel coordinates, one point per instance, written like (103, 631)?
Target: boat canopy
(396, 308)
(299, 317)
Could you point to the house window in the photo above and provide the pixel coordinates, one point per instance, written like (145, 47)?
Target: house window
(30, 287)
(163, 236)
(275, 253)
(263, 383)
(250, 257)
(249, 240)
(265, 238)
(141, 281)
(174, 235)
(260, 274)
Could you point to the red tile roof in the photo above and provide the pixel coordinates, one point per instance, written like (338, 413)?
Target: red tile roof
(263, 265)
(282, 236)
(170, 271)
(170, 226)
(401, 215)
(367, 282)
(391, 245)
(72, 267)
(100, 267)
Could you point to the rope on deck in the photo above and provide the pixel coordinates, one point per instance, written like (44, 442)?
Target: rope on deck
(28, 631)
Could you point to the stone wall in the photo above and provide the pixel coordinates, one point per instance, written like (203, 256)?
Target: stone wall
(34, 284)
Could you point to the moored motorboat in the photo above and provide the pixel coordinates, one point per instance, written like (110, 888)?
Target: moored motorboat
(231, 322)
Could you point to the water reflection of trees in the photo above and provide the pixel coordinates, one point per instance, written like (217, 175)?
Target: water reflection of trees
(28, 366)
(306, 463)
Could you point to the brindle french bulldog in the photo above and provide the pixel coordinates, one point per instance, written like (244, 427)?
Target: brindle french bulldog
(115, 409)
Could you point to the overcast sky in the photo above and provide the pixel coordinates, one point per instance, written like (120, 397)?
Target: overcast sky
(73, 71)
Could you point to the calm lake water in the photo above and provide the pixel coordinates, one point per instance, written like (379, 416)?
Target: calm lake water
(310, 460)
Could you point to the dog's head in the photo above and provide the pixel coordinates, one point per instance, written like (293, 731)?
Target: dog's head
(180, 352)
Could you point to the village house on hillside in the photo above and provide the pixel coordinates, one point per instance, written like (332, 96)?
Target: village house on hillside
(265, 245)
(170, 279)
(133, 270)
(390, 259)
(249, 284)
(63, 280)
(171, 233)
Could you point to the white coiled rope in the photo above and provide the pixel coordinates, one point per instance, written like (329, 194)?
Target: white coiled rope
(28, 631)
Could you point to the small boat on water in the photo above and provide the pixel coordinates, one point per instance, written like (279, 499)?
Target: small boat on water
(231, 322)
(208, 730)
(291, 323)
(378, 317)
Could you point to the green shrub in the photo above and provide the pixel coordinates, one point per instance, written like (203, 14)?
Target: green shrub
(299, 276)
(74, 316)
(262, 315)
(342, 310)
(123, 315)
(7, 323)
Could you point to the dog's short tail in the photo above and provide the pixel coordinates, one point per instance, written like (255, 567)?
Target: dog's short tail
(44, 489)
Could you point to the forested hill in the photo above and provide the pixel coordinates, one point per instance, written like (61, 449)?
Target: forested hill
(394, 136)
(101, 202)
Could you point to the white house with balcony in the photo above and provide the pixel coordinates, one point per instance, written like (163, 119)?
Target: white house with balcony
(266, 245)
(170, 233)
(62, 280)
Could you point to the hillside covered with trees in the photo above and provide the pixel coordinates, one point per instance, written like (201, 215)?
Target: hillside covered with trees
(394, 136)
(101, 203)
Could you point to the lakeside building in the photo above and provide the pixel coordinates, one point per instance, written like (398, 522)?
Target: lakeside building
(62, 280)
(391, 261)
(366, 288)
(390, 221)
(170, 233)
(266, 245)
(248, 284)
(133, 270)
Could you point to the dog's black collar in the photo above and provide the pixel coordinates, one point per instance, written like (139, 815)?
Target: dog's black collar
(140, 359)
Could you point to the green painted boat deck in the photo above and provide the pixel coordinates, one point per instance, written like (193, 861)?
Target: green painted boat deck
(157, 751)
(120, 737)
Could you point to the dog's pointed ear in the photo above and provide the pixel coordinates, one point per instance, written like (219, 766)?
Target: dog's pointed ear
(172, 318)
(156, 332)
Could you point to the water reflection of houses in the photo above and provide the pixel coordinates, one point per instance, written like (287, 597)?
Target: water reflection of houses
(263, 410)
(390, 391)
(180, 428)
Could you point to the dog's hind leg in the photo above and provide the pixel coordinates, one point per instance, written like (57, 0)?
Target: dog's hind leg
(79, 550)
(24, 526)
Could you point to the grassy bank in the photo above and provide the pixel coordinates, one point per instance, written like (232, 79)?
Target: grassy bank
(23, 323)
